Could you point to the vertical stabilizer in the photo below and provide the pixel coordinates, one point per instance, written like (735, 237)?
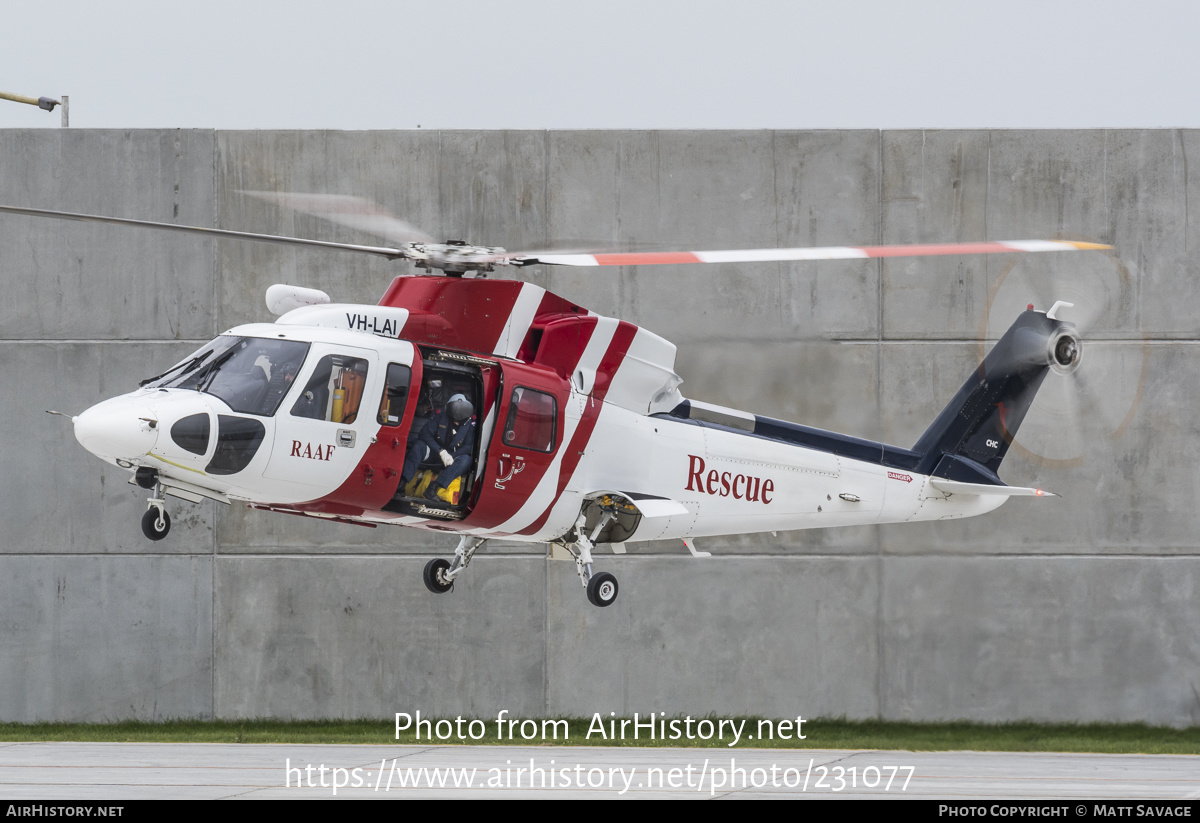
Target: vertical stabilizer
(970, 437)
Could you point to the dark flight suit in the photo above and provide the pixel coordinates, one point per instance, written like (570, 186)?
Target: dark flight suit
(441, 433)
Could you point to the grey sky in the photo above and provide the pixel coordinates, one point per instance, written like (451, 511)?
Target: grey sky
(367, 64)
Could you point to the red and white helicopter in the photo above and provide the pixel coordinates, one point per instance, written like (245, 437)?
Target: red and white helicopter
(578, 433)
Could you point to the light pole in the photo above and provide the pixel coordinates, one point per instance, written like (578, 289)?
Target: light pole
(46, 103)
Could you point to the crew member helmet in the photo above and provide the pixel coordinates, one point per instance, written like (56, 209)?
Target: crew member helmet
(460, 408)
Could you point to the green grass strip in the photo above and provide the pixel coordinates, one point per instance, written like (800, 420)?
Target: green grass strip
(1127, 738)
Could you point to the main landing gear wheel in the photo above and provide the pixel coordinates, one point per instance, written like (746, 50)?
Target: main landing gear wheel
(153, 527)
(602, 589)
(435, 576)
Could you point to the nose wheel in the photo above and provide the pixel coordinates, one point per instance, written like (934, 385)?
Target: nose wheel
(156, 522)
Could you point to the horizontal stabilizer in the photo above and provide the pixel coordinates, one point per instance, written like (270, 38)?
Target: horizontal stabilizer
(956, 487)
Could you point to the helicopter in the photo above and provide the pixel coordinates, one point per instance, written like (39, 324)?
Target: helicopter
(568, 427)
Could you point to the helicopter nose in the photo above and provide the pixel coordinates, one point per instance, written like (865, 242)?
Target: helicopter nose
(117, 429)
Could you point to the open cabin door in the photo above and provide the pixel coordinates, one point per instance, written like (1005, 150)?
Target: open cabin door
(521, 466)
(444, 376)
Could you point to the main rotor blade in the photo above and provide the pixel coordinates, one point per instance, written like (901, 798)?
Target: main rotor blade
(347, 210)
(382, 251)
(821, 253)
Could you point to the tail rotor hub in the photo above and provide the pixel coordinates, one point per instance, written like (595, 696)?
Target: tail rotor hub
(1065, 351)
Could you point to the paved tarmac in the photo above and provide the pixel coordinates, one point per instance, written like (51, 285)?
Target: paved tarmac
(128, 771)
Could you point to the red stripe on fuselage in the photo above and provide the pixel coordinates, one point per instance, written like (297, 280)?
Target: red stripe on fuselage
(622, 340)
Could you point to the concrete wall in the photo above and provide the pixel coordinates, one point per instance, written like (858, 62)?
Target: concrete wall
(1081, 608)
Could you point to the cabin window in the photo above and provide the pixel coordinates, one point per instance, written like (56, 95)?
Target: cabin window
(395, 395)
(532, 420)
(334, 391)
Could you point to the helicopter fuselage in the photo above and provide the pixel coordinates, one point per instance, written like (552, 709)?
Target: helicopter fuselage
(547, 447)
(575, 433)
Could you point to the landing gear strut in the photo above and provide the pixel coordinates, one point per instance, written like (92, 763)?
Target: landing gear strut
(601, 588)
(440, 573)
(155, 522)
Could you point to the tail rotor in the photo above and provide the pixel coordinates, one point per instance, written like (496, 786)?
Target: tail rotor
(1078, 410)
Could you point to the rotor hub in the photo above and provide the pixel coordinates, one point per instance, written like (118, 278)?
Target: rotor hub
(455, 257)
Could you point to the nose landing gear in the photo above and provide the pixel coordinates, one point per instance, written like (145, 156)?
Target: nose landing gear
(155, 522)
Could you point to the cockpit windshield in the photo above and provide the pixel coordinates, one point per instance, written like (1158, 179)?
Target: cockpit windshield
(251, 374)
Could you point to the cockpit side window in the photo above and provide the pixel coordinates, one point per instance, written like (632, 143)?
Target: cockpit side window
(334, 392)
